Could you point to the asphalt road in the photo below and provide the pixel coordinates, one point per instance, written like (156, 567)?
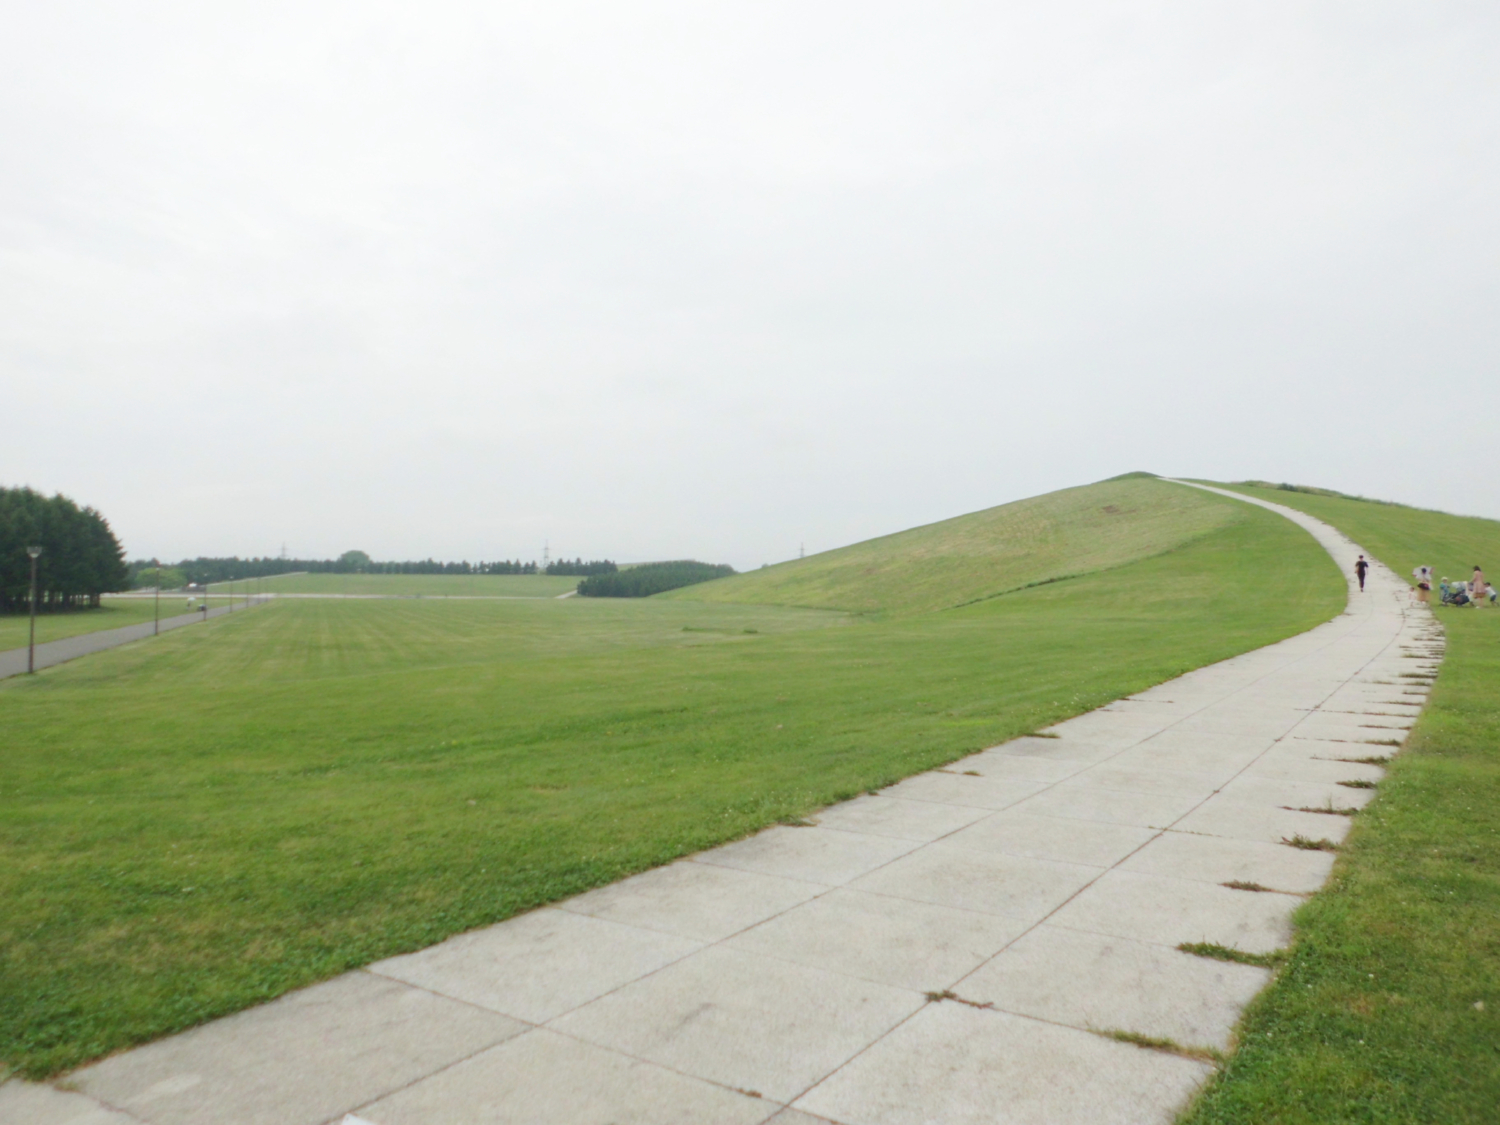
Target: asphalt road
(13, 662)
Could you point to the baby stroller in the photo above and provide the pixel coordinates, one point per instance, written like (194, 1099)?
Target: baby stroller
(1455, 593)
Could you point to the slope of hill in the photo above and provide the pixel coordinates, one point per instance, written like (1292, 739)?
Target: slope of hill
(201, 822)
(982, 554)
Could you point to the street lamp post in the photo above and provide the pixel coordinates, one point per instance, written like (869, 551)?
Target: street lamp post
(31, 645)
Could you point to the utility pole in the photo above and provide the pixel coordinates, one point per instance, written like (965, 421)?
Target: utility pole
(31, 645)
(802, 550)
(157, 628)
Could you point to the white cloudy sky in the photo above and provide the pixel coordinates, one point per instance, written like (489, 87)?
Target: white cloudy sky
(654, 280)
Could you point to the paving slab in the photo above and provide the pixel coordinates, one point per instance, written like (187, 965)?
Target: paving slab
(538, 965)
(960, 789)
(993, 883)
(1170, 911)
(1224, 816)
(906, 820)
(744, 1021)
(996, 764)
(959, 1066)
(1091, 843)
(1077, 800)
(300, 1060)
(32, 1103)
(543, 1078)
(893, 941)
(1219, 859)
(1059, 748)
(1283, 794)
(814, 855)
(695, 900)
(1116, 774)
(1310, 770)
(1102, 983)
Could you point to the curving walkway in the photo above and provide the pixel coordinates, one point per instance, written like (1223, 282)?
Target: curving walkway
(954, 949)
(13, 661)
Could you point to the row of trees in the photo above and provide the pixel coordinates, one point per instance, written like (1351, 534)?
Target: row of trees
(201, 570)
(81, 558)
(581, 569)
(651, 578)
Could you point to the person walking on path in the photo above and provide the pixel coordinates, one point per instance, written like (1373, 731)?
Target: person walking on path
(1359, 568)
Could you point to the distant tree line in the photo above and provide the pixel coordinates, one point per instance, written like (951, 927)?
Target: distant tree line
(81, 558)
(580, 568)
(142, 572)
(651, 578)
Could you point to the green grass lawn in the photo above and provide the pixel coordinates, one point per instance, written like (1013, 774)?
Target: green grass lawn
(411, 585)
(986, 553)
(201, 823)
(1389, 1007)
(113, 614)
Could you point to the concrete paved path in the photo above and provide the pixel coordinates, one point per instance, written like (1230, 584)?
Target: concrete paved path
(13, 661)
(946, 951)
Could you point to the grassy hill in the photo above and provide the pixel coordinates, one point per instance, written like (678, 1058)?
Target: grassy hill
(984, 554)
(204, 821)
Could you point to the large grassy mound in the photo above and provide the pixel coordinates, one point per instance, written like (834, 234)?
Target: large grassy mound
(201, 822)
(983, 554)
(1389, 1007)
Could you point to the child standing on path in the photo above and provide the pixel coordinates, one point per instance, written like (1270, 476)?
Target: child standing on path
(1360, 568)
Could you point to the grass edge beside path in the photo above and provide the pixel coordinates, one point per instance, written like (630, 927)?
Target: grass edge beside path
(1387, 1008)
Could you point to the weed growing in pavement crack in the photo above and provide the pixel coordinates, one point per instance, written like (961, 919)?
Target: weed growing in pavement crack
(1218, 952)
(1154, 1043)
(1307, 845)
(949, 994)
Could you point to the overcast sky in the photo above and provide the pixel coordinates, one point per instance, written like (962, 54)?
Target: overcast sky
(718, 280)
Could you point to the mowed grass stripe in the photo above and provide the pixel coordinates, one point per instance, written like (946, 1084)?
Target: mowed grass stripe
(203, 823)
(1388, 1009)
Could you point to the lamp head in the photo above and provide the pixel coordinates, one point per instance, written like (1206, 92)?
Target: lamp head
(33, 551)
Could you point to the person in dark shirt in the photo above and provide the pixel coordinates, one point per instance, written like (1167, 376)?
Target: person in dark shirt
(1359, 569)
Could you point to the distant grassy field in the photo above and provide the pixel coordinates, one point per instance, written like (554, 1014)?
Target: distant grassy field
(986, 553)
(113, 614)
(411, 585)
(204, 822)
(1389, 1008)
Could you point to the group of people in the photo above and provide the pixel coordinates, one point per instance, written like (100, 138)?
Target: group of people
(1473, 592)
